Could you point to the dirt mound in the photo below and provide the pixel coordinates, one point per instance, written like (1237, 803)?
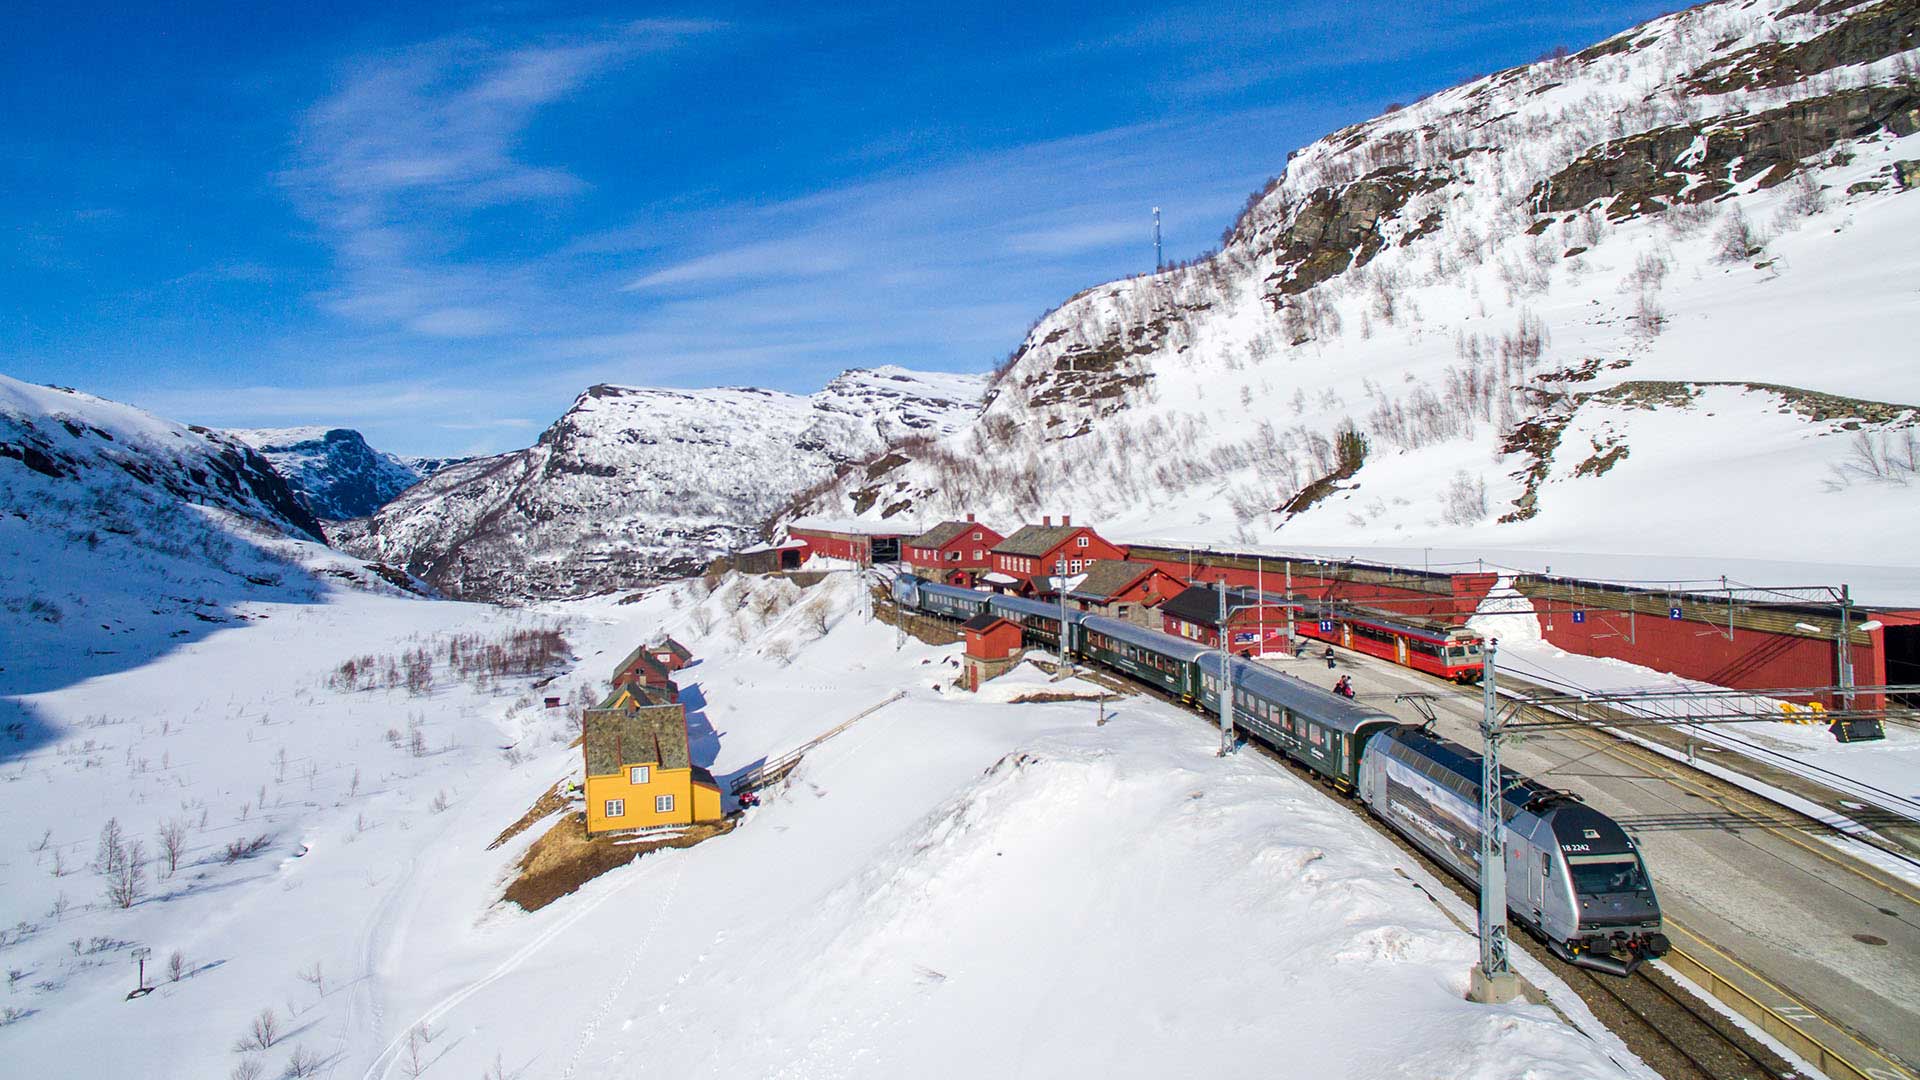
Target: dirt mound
(566, 858)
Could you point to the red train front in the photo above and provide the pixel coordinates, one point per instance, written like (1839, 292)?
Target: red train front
(1451, 652)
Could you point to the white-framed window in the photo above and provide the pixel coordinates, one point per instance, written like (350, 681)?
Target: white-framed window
(1080, 541)
(663, 804)
(976, 554)
(616, 808)
(1074, 566)
(979, 536)
(639, 774)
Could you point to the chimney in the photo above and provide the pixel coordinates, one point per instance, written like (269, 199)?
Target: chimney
(1046, 522)
(1066, 519)
(969, 517)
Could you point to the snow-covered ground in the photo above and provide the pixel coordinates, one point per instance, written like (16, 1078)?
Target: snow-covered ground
(950, 887)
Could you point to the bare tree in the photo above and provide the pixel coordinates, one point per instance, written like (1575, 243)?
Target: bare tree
(315, 978)
(113, 847)
(246, 1069)
(1466, 499)
(127, 884)
(302, 1063)
(176, 966)
(173, 844)
(1736, 241)
(265, 1030)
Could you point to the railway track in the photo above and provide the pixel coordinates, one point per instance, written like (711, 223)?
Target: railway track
(1663, 1022)
(1665, 1025)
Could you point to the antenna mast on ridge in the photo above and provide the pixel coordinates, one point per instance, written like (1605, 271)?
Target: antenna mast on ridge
(1159, 263)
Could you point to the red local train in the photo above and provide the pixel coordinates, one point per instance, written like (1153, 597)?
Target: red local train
(1449, 651)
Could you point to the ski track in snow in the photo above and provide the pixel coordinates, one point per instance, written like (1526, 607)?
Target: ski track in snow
(592, 1029)
(384, 1062)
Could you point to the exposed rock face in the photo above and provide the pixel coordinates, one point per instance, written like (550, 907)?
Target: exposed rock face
(635, 485)
(1337, 229)
(1870, 32)
(1647, 172)
(333, 469)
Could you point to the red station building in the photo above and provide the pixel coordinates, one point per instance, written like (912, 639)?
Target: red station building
(1024, 562)
(863, 542)
(952, 552)
(1737, 644)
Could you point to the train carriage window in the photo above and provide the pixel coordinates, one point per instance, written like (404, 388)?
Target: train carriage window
(1315, 736)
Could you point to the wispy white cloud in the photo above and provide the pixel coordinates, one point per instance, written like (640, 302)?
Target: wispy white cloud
(1080, 236)
(393, 164)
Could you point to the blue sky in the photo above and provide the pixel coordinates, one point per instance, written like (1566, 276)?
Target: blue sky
(439, 224)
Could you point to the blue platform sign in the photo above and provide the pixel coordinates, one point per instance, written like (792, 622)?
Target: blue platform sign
(1673, 613)
(1326, 626)
(1579, 616)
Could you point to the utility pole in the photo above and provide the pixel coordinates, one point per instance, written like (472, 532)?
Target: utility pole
(1289, 604)
(1060, 582)
(1846, 649)
(861, 563)
(1159, 263)
(1226, 673)
(1493, 981)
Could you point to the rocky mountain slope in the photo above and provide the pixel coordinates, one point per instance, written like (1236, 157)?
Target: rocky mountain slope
(333, 469)
(123, 534)
(634, 485)
(1655, 296)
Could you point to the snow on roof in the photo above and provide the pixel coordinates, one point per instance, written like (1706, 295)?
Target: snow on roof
(851, 526)
(785, 545)
(999, 578)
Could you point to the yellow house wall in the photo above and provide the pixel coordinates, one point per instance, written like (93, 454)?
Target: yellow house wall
(706, 803)
(639, 798)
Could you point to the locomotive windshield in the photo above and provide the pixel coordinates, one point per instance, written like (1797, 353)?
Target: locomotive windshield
(1607, 874)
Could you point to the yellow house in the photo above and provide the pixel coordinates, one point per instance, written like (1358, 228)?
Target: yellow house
(639, 773)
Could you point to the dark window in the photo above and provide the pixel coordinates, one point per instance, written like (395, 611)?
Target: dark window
(1607, 876)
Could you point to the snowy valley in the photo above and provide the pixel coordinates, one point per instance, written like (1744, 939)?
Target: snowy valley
(284, 717)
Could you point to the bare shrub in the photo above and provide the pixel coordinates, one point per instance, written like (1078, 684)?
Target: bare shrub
(127, 883)
(1649, 271)
(1736, 241)
(1686, 219)
(1884, 457)
(439, 802)
(246, 1069)
(1465, 501)
(1805, 197)
(113, 847)
(263, 1032)
(173, 844)
(1649, 315)
(246, 849)
(316, 978)
(176, 966)
(302, 1063)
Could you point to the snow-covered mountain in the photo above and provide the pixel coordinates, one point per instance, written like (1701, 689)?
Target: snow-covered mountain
(333, 469)
(123, 533)
(635, 484)
(1645, 297)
